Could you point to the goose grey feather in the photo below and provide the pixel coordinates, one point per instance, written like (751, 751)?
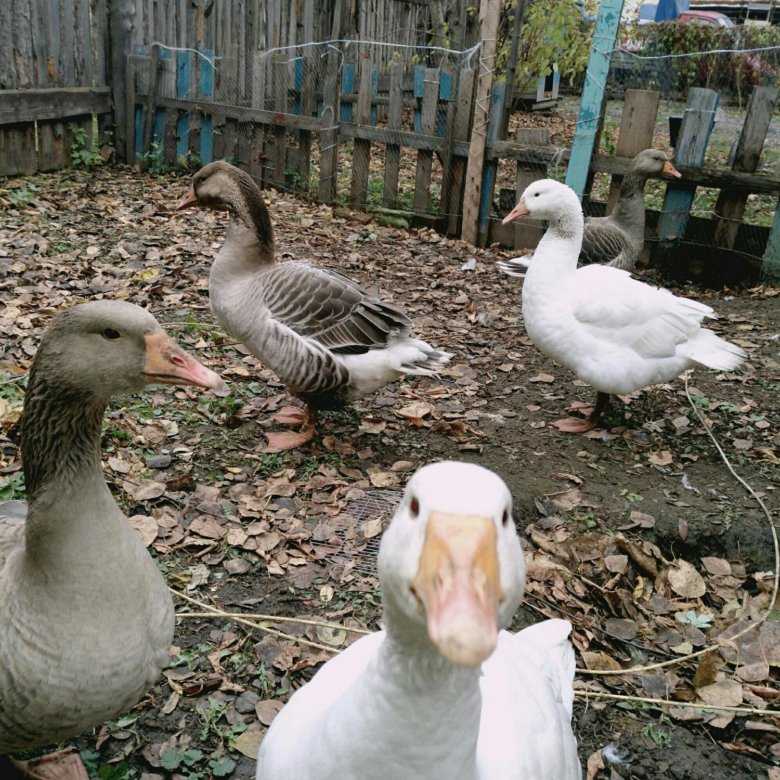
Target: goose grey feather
(86, 617)
(326, 338)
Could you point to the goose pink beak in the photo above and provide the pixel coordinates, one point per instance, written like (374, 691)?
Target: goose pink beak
(168, 364)
(518, 211)
(458, 584)
(190, 199)
(670, 170)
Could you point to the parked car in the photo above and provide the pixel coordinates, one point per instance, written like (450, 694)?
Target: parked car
(706, 17)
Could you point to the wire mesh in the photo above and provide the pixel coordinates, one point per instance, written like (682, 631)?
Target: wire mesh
(369, 124)
(354, 546)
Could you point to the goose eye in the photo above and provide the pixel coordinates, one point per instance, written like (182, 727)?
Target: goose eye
(505, 518)
(111, 335)
(414, 508)
(536, 194)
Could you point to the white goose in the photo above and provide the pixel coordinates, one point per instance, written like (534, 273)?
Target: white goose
(325, 337)
(442, 693)
(86, 617)
(618, 238)
(616, 333)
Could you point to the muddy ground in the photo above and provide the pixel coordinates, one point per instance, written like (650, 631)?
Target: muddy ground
(607, 518)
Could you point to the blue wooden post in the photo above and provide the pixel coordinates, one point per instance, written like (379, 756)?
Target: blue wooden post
(183, 92)
(592, 98)
(347, 88)
(691, 147)
(206, 121)
(489, 171)
(770, 267)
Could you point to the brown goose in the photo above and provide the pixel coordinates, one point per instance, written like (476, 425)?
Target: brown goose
(617, 239)
(326, 338)
(86, 616)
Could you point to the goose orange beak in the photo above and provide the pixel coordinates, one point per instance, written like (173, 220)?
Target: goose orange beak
(190, 199)
(458, 585)
(518, 211)
(670, 170)
(168, 364)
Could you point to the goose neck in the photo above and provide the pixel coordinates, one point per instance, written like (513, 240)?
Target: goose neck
(60, 444)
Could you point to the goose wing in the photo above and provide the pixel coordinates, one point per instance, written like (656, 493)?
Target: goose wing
(603, 242)
(329, 308)
(650, 320)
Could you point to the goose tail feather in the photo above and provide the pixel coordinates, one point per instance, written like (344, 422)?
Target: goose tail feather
(710, 350)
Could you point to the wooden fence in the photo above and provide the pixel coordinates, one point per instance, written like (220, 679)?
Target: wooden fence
(53, 79)
(379, 126)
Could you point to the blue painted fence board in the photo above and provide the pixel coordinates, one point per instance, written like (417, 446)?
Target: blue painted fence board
(206, 121)
(592, 99)
(348, 88)
(691, 148)
(489, 171)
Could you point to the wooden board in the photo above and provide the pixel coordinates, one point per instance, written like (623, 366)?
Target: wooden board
(430, 103)
(637, 123)
(731, 201)
(489, 15)
(361, 154)
(691, 148)
(395, 110)
(524, 234)
(455, 172)
(491, 167)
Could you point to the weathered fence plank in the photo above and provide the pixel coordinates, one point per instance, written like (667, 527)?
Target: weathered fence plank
(526, 235)
(731, 202)
(329, 132)
(691, 148)
(395, 110)
(361, 154)
(456, 173)
(637, 123)
(430, 103)
(489, 14)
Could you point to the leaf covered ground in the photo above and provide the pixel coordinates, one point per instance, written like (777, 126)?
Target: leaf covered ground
(637, 533)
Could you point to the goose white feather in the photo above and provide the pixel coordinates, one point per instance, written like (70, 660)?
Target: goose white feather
(616, 333)
(441, 693)
(86, 617)
(327, 339)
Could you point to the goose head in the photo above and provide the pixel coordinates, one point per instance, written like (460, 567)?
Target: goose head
(450, 563)
(653, 162)
(221, 186)
(549, 200)
(104, 348)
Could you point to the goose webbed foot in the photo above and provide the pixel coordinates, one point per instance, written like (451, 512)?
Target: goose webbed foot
(62, 765)
(281, 441)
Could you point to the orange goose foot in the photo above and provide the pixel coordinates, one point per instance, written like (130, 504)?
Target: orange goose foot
(61, 765)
